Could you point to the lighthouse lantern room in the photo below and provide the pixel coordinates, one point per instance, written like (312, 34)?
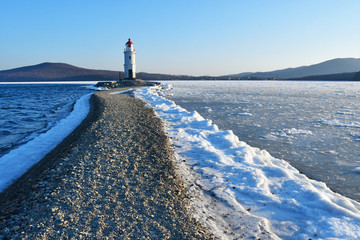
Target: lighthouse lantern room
(129, 61)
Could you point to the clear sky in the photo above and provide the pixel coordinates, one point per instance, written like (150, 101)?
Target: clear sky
(195, 37)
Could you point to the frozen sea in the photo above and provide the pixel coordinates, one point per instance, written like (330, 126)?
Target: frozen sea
(315, 126)
(242, 191)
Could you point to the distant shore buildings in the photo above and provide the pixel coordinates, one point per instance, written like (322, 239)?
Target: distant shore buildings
(129, 61)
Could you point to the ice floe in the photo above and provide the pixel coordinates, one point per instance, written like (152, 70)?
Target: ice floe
(338, 123)
(245, 114)
(292, 131)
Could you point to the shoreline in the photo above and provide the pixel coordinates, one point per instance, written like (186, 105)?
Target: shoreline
(76, 190)
(133, 168)
(25, 181)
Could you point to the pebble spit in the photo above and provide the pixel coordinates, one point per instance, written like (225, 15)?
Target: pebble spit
(112, 178)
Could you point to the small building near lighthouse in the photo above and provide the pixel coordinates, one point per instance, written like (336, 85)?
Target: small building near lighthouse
(129, 61)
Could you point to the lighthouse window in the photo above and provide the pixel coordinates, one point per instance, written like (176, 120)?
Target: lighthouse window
(130, 57)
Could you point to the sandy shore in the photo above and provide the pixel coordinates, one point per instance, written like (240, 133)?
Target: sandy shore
(113, 177)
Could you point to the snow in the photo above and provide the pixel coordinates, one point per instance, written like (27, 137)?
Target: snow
(122, 92)
(238, 191)
(338, 123)
(166, 87)
(18, 161)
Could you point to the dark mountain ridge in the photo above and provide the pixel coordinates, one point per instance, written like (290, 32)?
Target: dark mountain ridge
(56, 72)
(334, 66)
(66, 72)
(343, 69)
(331, 77)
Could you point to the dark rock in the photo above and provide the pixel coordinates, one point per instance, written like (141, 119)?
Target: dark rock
(357, 77)
(126, 83)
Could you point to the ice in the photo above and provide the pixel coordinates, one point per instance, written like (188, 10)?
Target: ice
(345, 113)
(208, 109)
(244, 114)
(166, 87)
(18, 161)
(269, 136)
(244, 190)
(338, 123)
(356, 136)
(291, 131)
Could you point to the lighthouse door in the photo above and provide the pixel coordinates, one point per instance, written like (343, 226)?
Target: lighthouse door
(130, 74)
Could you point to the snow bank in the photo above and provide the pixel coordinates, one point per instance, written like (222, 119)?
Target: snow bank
(18, 161)
(241, 191)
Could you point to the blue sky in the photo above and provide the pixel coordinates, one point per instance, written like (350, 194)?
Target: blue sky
(197, 37)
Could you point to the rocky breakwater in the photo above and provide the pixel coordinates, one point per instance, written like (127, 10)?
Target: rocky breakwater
(113, 178)
(126, 83)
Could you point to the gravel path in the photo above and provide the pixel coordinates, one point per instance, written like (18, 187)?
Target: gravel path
(113, 178)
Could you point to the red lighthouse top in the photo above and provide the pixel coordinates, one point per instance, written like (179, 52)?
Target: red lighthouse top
(129, 43)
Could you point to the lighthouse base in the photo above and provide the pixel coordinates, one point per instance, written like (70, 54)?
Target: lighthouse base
(126, 83)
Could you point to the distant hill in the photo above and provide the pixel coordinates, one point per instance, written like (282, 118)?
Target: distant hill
(337, 69)
(331, 77)
(65, 72)
(357, 76)
(334, 66)
(56, 72)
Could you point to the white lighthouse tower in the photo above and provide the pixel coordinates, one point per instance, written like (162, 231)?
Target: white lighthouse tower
(129, 62)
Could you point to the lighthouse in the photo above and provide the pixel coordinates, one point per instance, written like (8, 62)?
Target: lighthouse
(129, 61)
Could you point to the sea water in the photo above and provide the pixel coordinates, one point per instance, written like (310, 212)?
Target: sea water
(27, 110)
(315, 126)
